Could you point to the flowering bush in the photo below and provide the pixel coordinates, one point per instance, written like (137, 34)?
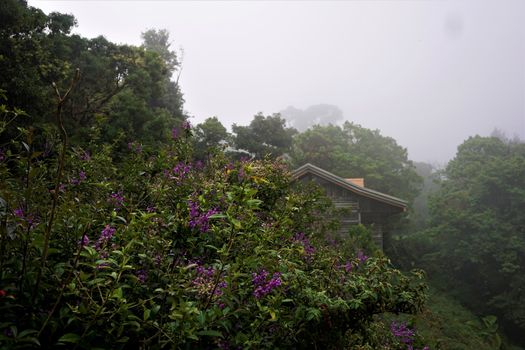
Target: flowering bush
(154, 251)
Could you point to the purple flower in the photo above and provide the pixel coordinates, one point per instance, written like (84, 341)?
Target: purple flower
(361, 256)
(105, 235)
(84, 241)
(2, 155)
(174, 133)
(262, 285)
(85, 156)
(31, 220)
(348, 266)
(142, 275)
(179, 172)
(404, 334)
(19, 213)
(199, 219)
(309, 249)
(135, 146)
(81, 177)
(186, 125)
(116, 199)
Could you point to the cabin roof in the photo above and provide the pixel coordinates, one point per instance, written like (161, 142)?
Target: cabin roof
(341, 182)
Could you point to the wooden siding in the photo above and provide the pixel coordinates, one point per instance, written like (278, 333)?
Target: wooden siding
(361, 208)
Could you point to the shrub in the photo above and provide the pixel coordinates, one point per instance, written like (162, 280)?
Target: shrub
(156, 251)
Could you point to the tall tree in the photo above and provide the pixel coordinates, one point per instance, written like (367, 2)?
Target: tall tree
(124, 91)
(476, 246)
(209, 135)
(159, 41)
(265, 136)
(354, 151)
(321, 114)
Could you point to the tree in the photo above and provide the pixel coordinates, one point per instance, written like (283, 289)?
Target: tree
(159, 41)
(209, 135)
(354, 151)
(321, 114)
(124, 92)
(476, 245)
(265, 136)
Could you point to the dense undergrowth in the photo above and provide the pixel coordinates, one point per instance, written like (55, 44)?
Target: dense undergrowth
(155, 251)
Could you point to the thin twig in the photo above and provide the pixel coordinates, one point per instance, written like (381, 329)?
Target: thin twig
(61, 101)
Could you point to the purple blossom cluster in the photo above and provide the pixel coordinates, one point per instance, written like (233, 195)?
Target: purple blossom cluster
(199, 219)
(263, 286)
(84, 241)
(116, 199)
(85, 156)
(348, 266)
(179, 172)
(30, 219)
(174, 133)
(135, 147)
(105, 235)
(2, 155)
(205, 282)
(142, 275)
(309, 249)
(186, 125)
(77, 180)
(404, 334)
(361, 257)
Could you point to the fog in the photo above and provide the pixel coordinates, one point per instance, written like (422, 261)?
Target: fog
(427, 73)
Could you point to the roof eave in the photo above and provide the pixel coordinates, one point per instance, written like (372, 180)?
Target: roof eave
(306, 168)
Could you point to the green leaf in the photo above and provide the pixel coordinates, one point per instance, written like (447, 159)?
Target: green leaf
(147, 313)
(69, 338)
(117, 294)
(217, 216)
(254, 203)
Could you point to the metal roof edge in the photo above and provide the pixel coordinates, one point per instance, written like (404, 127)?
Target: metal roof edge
(364, 191)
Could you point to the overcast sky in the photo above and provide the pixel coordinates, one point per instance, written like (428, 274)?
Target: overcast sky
(427, 73)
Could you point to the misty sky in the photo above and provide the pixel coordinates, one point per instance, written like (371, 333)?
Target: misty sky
(427, 73)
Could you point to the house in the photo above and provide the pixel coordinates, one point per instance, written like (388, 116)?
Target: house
(366, 206)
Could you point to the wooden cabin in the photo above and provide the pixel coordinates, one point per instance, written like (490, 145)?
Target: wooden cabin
(366, 206)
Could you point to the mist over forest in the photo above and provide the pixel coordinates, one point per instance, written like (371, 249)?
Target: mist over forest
(199, 186)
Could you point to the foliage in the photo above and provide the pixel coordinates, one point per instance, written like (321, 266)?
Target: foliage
(265, 136)
(446, 324)
(124, 90)
(419, 218)
(475, 243)
(210, 136)
(154, 251)
(354, 151)
(321, 114)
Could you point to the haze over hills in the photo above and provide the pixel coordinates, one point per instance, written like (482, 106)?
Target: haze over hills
(427, 73)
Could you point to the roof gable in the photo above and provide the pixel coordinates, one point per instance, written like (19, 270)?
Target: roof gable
(341, 182)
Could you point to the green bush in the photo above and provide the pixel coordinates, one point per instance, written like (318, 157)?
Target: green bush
(154, 251)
